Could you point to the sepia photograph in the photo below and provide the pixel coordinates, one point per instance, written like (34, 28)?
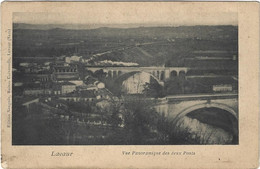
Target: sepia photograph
(132, 83)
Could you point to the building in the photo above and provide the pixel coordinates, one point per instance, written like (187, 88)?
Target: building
(39, 77)
(67, 87)
(93, 83)
(63, 88)
(77, 82)
(25, 64)
(36, 89)
(87, 87)
(222, 88)
(56, 89)
(84, 96)
(37, 92)
(73, 59)
(32, 69)
(65, 72)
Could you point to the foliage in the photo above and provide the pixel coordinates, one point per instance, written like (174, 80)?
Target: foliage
(139, 118)
(79, 107)
(35, 128)
(114, 118)
(153, 89)
(100, 74)
(179, 85)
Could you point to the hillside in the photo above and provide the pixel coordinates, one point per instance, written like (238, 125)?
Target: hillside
(146, 46)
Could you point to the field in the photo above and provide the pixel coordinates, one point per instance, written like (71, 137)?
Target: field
(155, 46)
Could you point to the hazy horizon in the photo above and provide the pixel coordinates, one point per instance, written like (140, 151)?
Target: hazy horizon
(96, 26)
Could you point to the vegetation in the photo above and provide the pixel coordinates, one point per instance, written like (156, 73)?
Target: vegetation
(132, 120)
(167, 46)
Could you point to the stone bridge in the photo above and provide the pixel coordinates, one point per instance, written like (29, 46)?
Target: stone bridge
(159, 73)
(176, 107)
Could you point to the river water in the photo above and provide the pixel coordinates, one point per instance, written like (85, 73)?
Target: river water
(202, 133)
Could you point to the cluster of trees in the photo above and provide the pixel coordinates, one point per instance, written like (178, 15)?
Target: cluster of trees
(30, 126)
(175, 85)
(133, 121)
(139, 119)
(79, 107)
(38, 126)
(110, 83)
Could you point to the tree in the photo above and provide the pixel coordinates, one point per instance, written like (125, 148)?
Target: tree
(114, 118)
(139, 118)
(36, 127)
(153, 89)
(79, 107)
(172, 86)
(69, 129)
(100, 74)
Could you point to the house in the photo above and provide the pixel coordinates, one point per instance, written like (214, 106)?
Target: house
(65, 72)
(31, 69)
(87, 87)
(25, 64)
(73, 59)
(67, 87)
(41, 77)
(222, 88)
(77, 82)
(36, 89)
(84, 96)
(56, 89)
(63, 88)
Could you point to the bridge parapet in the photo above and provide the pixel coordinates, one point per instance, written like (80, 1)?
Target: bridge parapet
(161, 73)
(201, 96)
(178, 106)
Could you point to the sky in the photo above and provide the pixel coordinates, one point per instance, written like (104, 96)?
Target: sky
(129, 19)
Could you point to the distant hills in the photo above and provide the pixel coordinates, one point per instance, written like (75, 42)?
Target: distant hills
(145, 46)
(77, 26)
(204, 32)
(51, 26)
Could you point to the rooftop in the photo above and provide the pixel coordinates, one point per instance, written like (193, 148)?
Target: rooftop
(87, 93)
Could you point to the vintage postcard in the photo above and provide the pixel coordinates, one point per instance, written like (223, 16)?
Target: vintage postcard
(130, 84)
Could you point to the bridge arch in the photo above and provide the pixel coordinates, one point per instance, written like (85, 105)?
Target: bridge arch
(127, 83)
(231, 116)
(182, 73)
(206, 105)
(129, 74)
(229, 110)
(162, 75)
(173, 73)
(120, 73)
